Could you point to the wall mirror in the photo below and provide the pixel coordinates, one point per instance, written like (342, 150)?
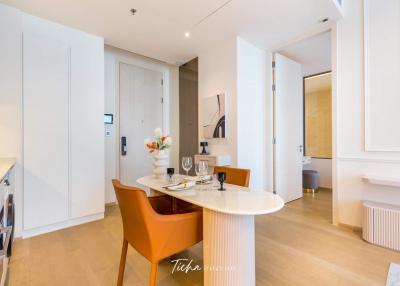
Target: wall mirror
(318, 115)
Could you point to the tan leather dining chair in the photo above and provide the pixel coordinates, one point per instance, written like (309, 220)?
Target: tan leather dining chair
(235, 176)
(151, 230)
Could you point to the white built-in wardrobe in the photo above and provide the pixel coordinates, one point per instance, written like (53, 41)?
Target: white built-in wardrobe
(63, 144)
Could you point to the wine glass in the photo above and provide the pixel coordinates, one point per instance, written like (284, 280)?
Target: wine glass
(221, 179)
(197, 169)
(170, 172)
(187, 164)
(201, 169)
(205, 167)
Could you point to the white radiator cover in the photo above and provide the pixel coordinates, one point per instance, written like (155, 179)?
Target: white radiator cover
(381, 224)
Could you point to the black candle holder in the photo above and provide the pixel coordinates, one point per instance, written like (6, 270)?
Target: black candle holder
(204, 144)
(221, 179)
(170, 172)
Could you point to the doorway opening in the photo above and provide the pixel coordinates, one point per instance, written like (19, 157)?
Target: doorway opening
(188, 111)
(310, 161)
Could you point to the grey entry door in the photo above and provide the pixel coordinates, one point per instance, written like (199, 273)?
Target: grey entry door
(141, 111)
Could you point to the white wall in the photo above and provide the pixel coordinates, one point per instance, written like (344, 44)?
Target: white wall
(352, 160)
(217, 74)
(112, 56)
(254, 113)
(242, 71)
(324, 168)
(111, 142)
(11, 97)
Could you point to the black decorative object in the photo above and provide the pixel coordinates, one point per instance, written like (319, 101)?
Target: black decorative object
(170, 172)
(221, 179)
(204, 145)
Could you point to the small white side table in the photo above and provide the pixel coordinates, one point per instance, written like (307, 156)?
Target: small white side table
(213, 160)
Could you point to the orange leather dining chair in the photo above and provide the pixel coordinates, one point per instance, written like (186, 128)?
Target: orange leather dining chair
(235, 176)
(151, 229)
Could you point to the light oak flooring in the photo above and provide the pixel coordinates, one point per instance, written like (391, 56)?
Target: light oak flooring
(297, 246)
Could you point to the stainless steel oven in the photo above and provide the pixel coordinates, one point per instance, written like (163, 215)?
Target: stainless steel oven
(7, 218)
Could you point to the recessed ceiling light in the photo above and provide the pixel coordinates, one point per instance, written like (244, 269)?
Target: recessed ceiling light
(133, 11)
(187, 34)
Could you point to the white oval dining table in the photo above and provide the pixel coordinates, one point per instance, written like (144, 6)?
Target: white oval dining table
(228, 227)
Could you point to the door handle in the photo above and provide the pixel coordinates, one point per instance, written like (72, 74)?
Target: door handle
(123, 146)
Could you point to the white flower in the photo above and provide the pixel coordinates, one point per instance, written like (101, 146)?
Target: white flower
(147, 141)
(158, 132)
(168, 141)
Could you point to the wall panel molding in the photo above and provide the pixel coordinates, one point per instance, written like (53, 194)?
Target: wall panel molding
(367, 160)
(382, 74)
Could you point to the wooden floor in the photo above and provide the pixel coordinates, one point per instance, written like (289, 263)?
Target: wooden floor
(297, 246)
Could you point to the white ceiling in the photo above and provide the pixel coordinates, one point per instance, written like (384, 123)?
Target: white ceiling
(314, 54)
(157, 30)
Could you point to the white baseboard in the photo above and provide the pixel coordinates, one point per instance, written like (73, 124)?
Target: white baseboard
(61, 225)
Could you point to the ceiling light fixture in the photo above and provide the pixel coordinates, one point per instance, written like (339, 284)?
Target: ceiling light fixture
(133, 11)
(187, 34)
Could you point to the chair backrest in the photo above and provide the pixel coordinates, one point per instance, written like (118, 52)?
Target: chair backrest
(235, 176)
(137, 216)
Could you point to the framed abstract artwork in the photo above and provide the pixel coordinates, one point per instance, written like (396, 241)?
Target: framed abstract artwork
(214, 119)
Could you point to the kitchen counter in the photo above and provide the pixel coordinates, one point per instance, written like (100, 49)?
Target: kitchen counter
(6, 165)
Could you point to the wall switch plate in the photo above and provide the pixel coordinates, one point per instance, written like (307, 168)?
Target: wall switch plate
(108, 133)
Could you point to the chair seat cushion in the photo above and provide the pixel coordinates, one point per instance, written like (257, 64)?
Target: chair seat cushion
(164, 205)
(161, 204)
(185, 207)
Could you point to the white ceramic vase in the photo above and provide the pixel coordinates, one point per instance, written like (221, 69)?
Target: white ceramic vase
(160, 164)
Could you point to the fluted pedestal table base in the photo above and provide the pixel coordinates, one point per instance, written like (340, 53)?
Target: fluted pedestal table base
(229, 249)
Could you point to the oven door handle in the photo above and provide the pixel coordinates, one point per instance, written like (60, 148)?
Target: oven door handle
(7, 230)
(3, 253)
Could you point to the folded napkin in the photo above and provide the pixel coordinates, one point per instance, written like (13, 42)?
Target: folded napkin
(182, 186)
(201, 178)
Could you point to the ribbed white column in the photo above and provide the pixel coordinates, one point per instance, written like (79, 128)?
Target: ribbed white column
(228, 248)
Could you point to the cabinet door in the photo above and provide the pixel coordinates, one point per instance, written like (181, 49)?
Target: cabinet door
(86, 126)
(45, 104)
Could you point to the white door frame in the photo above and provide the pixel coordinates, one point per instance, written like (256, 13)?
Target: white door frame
(166, 98)
(335, 136)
